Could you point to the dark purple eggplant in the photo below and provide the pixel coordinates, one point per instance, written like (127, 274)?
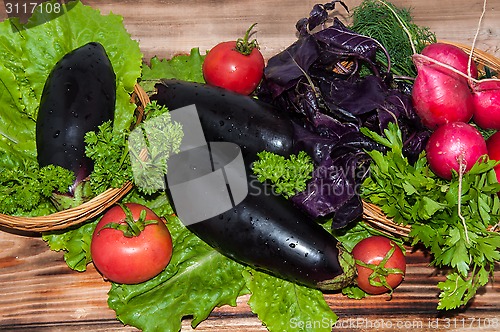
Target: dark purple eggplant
(228, 117)
(265, 230)
(78, 96)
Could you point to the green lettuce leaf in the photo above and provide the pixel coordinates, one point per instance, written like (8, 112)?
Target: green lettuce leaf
(184, 67)
(197, 280)
(17, 128)
(29, 52)
(286, 306)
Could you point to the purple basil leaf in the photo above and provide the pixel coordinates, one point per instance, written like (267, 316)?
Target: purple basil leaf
(319, 13)
(339, 37)
(352, 210)
(414, 144)
(331, 82)
(318, 16)
(285, 69)
(332, 185)
(357, 98)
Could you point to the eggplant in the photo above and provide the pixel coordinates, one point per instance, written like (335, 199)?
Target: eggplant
(264, 230)
(78, 96)
(229, 117)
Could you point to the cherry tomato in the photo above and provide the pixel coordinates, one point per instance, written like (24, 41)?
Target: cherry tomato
(380, 263)
(235, 65)
(130, 244)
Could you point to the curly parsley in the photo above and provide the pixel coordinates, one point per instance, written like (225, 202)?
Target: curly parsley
(26, 190)
(288, 176)
(117, 158)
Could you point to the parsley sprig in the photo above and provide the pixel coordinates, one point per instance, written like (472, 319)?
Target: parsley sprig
(289, 176)
(413, 195)
(27, 189)
(150, 146)
(117, 159)
(108, 150)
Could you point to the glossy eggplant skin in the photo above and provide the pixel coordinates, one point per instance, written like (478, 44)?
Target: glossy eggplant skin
(267, 233)
(78, 96)
(265, 230)
(229, 117)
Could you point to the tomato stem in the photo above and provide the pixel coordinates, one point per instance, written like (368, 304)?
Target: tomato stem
(243, 45)
(131, 227)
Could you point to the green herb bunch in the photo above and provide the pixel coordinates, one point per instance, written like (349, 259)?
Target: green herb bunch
(289, 176)
(26, 190)
(157, 137)
(107, 149)
(112, 152)
(374, 19)
(455, 225)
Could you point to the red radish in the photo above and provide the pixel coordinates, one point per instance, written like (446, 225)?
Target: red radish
(451, 55)
(454, 146)
(493, 145)
(487, 104)
(441, 98)
(440, 95)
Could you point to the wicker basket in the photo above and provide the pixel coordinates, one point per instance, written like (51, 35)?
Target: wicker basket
(372, 214)
(95, 206)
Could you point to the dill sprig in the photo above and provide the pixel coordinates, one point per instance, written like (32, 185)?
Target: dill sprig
(376, 20)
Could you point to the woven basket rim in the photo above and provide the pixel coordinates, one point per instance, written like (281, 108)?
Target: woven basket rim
(372, 214)
(87, 210)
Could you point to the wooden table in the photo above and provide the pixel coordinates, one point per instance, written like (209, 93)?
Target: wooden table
(40, 293)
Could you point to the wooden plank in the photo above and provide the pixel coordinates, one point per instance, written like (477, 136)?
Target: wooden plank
(166, 28)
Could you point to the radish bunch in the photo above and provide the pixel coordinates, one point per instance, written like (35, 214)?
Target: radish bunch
(448, 97)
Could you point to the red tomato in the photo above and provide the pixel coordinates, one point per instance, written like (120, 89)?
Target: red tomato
(380, 263)
(235, 65)
(124, 257)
